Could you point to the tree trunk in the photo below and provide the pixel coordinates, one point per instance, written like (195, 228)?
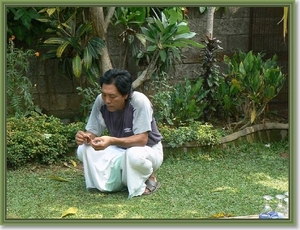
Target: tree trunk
(100, 24)
(210, 21)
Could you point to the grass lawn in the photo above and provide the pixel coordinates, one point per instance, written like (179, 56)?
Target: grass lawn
(195, 184)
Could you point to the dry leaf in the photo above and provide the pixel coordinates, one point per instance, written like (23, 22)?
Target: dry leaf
(253, 115)
(221, 215)
(74, 163)
(58, 178)
(70, 211)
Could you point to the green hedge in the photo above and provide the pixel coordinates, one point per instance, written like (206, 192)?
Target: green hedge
(196, 132)
(39, 138)
(46, 140)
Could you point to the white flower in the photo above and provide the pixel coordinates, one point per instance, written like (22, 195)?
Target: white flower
(46, 135)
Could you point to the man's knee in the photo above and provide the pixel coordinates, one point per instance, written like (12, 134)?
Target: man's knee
(135, 158)
(80, 150)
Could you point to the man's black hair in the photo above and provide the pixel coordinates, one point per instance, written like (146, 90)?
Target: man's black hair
(120, 78)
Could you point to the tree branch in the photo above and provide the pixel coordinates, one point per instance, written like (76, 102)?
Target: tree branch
(146, 74)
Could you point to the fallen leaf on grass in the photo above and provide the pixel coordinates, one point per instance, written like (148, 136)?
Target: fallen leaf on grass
(284, 155)
(221, 215)
(74, 163)
(66, 164)
(70, 211)
(71, 167)
(52, 177)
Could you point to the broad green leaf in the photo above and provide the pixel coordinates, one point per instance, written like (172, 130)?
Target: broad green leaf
(227, 101)
(76, 66)
(185, 35)
(163, 55)
(92, 72)
(174, 16)
(193, 43)
(226, 59)
(163, 23)
(95, 46)
(182, 24)
(254, 83)
(141, 38)
(248, 62)
(242, 69)
(55, 41)
(71, 17)
(83, 28)
(53, 177)
(43, 19)
(92, 50)
(69, 211)
(66, 25)
(253, 115)
(183, 29)
(50, 11)
(175, 44)
(61, 49)
(168, 35)
(98, 43)
(151, 48)
(270, 92)
(202, 9)
(176, 52)
(87, 58)
(76, 45)
(148, 35)
(50, 30)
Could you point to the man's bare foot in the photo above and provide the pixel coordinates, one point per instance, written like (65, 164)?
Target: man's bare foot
(152, 178)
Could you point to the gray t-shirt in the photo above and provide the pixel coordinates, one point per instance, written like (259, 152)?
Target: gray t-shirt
(136, 117)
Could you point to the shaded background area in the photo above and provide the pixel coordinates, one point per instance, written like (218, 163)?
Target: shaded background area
(265, 36)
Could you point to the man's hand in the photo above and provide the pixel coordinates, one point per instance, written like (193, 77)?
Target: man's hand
(82, 137)
(100, 143)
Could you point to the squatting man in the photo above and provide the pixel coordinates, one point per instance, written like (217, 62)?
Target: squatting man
(130, 155)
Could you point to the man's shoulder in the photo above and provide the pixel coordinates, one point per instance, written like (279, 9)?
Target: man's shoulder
(138, 98)
(136, 95)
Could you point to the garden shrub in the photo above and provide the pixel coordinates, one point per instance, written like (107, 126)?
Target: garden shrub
(200, 134)
(39, 138)
(182, 104)
(20, 90)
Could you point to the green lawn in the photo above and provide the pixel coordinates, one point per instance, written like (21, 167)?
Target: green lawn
(195, 184)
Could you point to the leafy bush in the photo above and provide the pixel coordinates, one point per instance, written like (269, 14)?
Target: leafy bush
(38, 138)
(210, 74)
(88, 95)
(19, 87)
(201, 134)
(254, 81)
(182, 104)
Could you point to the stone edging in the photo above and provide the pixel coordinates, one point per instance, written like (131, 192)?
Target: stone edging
(249, 134)
(252, 129)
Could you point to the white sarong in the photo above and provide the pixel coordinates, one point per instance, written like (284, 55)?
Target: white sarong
(114, 168)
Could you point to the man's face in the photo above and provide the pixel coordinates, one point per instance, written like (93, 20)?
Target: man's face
(112, 97)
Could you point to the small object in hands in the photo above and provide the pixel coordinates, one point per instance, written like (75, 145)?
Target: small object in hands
(88, 139)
